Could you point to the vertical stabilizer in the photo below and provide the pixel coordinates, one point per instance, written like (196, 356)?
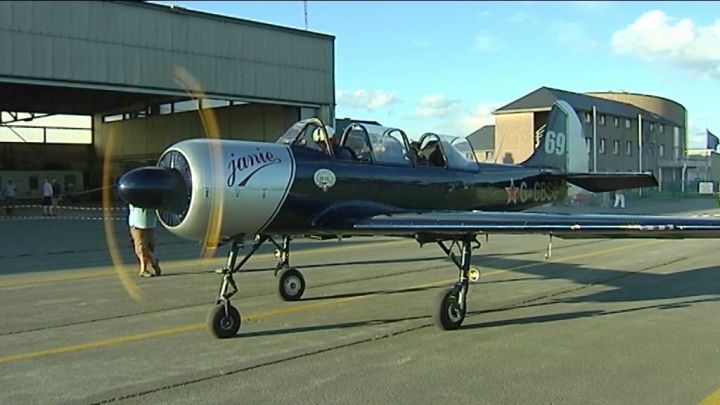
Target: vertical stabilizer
(562, 147)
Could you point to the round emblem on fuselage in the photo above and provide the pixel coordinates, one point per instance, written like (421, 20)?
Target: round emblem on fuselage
(324, 179)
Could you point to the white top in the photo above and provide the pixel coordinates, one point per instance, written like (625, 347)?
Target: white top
(141, 218)
(47, 189)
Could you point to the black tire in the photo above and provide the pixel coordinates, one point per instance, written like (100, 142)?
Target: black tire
(221, 325)
(291, 284)
(448, 315)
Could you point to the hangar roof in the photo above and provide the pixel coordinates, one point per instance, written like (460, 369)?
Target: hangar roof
(219, 17)
(105, 57)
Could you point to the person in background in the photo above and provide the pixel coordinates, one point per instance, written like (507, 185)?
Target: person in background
(142, 224)
(619, 199)
(47, 193)
(8, 192)
(56, 195)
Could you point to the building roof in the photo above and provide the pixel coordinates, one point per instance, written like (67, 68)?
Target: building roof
(483, 138)
(220, 17)
(544, 97)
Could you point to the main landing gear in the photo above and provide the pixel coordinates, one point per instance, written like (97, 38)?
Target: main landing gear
(224, 320)
(291, 284)
(451, 304)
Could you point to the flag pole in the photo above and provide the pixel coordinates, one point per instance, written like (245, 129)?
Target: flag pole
(640, 130)
(306, 21)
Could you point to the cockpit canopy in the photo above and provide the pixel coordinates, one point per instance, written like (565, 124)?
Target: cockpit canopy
(309, 133)
(375, 144)
(453, 152)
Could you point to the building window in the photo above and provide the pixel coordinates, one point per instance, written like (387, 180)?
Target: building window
(588, 117)
(187, 105)
(488, 155)
(661, 128)
(627, 123)
(588, 144)
(602, 119)
(33, 183)
(616, 121)
(112, 118)
(601, 148)
(628, 148)
(652, 127)
(651, 149)
(661, 150)
(616, 147)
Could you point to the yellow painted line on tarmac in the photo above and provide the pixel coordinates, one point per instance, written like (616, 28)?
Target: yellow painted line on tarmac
(272, 313)
(99, 272)
(712, 399)
(101, 343)
(172, 331)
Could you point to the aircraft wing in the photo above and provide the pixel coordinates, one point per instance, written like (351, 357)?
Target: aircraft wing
(451, 224)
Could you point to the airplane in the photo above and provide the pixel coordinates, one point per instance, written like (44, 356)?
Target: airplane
(371, 181)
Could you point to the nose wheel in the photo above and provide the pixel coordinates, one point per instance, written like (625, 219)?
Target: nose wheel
(224, 321)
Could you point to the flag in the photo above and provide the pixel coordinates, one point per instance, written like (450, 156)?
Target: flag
(712, 140)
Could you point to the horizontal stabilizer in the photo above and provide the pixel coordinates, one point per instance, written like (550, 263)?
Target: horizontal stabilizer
(600, 182)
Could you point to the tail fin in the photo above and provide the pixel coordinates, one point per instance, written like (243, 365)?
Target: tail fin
(562, 146)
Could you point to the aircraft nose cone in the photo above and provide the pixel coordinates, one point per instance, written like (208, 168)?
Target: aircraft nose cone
(155, 188)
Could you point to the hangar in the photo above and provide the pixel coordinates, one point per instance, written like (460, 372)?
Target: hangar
(150, 75)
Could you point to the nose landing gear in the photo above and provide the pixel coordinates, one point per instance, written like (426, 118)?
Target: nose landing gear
(224, 320)
(291, 283)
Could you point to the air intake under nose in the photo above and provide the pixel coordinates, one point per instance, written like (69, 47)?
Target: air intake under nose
(155, 188)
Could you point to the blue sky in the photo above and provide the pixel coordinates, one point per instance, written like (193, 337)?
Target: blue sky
(444, 66)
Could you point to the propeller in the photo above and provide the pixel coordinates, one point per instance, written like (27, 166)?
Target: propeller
(158, 188)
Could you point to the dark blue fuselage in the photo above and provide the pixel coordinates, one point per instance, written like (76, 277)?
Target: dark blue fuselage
(372, 189)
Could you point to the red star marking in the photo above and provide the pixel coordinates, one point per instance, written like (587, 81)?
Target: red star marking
(512, 192)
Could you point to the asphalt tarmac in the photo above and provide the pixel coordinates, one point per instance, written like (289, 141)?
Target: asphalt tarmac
(600, 322)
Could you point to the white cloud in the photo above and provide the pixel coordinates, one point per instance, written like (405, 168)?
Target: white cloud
(371, 100)
(486, 42)
(436, 106)
(656, 36)
(438, 113)
(477, 118)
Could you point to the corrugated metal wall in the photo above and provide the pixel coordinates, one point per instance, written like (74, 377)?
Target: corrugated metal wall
(119, 44)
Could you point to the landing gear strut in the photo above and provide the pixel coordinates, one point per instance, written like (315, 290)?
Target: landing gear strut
(224, 320)
(451, 304)
(291, 283)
